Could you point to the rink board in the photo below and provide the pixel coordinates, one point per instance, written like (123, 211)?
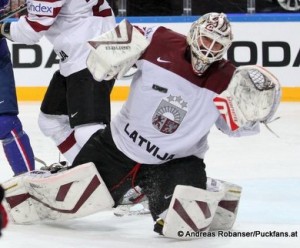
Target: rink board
(256, 41)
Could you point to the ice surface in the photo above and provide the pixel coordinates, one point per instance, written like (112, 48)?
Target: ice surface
(267, 167)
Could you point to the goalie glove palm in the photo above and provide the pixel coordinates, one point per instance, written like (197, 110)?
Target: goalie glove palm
(253, 95)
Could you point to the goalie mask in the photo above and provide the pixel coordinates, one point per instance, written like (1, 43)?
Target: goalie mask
(209, 38)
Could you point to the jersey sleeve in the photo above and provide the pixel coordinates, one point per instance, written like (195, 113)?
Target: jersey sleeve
(105, 11)
(41, 15)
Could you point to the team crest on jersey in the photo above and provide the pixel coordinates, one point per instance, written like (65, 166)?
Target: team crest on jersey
(169, 114)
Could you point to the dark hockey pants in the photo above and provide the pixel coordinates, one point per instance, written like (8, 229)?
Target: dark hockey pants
(157, 180)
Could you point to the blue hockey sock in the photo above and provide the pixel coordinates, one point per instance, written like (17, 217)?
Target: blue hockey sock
(17, 146)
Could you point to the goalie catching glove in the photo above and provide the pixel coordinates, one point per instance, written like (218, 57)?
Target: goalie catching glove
(116, 51)
(253, 95)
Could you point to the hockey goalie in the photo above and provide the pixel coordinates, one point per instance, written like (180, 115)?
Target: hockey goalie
(157, 141)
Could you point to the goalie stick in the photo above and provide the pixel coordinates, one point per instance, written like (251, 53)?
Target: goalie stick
(12, 12)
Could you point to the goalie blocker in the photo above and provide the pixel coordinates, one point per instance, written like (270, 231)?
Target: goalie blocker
(41, 196)
(115, 52)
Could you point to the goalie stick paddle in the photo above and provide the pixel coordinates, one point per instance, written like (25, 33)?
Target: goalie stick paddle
(12, 12)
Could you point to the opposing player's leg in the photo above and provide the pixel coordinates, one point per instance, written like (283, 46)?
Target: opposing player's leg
(15, 141)
(16, 145)
(41, 196)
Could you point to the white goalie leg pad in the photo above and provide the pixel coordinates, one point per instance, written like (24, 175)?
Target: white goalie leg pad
(191, 211)
(73, 193)
(227, 209)
(253, 95)
(17, 201)
(115, 52)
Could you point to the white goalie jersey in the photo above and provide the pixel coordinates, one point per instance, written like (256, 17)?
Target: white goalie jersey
(68, 25)
(170, 110)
